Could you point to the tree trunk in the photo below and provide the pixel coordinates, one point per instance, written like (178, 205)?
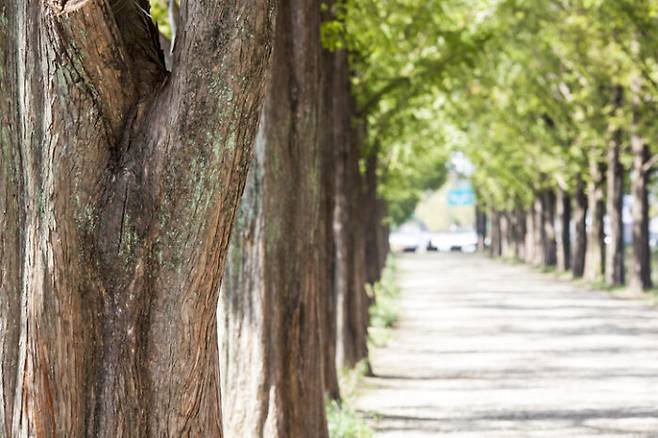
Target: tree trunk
(530, 247)
(519, 234)
(539, 232)
(506, 245)
(120, 184)
(481, 227)
(614, 269)
(358, 304)
(271, 340)
(595, 256)
(351, 302)
(580, 230)
(496, 234)
(640, 274)
(327, 286)
(371, 211)
(382, 234)
(563, 231)
(548, 228)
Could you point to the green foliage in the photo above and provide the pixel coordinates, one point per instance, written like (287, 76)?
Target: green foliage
(404, 56)
(342, 418)
(525, 88)
(159, 15)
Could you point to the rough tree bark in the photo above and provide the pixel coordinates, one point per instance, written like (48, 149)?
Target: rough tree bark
(272, 359)
(614, 268)
(640, 273)
(120, 183)
(351, 300)
(327, 287)
(580, 230)
(373, 220)
(356, 311)
(595, 255)
(563, 231)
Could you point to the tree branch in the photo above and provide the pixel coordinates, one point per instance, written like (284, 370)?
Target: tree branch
(650, 163)
(91, 43)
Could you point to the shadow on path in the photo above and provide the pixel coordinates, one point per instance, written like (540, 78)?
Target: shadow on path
(486, 349)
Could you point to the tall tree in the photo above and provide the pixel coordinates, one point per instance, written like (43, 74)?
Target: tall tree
(271, 334)
(580, 230)
(595, 255)
(119, 186)
(563, 231)
(614, 267)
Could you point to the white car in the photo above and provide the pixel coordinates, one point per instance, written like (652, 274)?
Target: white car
(462, 240)
(410, 237)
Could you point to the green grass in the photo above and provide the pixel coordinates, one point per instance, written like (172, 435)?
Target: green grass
(343, 420)
(384, 312)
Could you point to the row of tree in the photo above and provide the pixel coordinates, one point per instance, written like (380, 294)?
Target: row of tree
(309, 236)
(136, 171)
(264, 142)
(561, 111)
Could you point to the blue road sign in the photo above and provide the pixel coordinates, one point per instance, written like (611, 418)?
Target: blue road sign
(461, 197)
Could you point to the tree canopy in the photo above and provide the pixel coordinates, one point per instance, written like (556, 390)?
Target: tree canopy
(525, 88)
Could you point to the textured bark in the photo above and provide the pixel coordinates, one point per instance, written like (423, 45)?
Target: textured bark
(327, 286)
(563, 231)
(358, 303)
(342, 138)
(595, 256)
(640, 272)
(119, 187)
(614, 263)
(271, 357)
(373, 220)
(580, 230)
(351, 299)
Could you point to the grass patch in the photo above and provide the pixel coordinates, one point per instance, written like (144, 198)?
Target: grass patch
(384, 311)
(343, 420)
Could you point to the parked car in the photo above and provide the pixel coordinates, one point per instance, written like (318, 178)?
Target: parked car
(410, 237)
(459, 240)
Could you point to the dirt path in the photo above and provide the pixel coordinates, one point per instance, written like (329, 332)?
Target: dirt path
(484, 349)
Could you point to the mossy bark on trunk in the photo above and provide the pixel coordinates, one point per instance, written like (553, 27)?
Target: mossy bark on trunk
(120, 182)
(270, 306)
